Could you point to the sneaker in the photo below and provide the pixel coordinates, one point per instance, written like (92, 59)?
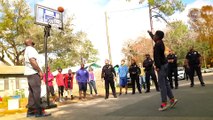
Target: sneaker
(43, 115)
(120, 94)
(91, 95)
(203, 84)
(30, 114)
(72, 97)
(96, 94)
(163, 107)
(60, 100)
(147, 91)
(173, 102)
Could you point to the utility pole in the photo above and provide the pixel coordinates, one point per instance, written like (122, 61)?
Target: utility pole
(150, 18)
(46, 35)
(107, 35)
(151, 23)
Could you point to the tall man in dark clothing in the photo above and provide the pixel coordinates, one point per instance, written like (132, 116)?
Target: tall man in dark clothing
(149, 72)
(161, 68)
(172, 68)
(194, 62)
(135, 71)
(108, 74)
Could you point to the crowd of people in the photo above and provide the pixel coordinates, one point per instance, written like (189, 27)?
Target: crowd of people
(162, 70)
(65, 82)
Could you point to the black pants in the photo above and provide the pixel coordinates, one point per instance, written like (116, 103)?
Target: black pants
(109, 81)
(173, 71)
(51, 90)
(61, 91)
(135, 78)
(187, 73)
(151, 74)
(199, 74)
(34, 102)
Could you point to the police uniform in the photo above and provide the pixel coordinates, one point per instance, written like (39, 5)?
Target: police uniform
(172, 70)
(108, 73)
(149, 72)
(193, 58)
(135, 71)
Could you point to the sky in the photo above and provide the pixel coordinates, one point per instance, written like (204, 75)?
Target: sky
(124, 21)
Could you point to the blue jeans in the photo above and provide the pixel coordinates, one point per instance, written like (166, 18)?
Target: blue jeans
(142, 81)
(92, 85)
(163, 82)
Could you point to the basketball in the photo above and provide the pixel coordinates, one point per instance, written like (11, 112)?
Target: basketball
(60, 9)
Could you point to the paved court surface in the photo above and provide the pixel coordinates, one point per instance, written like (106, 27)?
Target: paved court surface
(194, 104)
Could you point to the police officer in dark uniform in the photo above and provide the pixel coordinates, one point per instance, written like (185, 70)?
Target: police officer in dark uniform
(172, 69)
(149, 72)
(193, 62)
(108, 74)
(134, 72)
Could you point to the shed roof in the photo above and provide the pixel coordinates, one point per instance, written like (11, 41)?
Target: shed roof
(4, 70)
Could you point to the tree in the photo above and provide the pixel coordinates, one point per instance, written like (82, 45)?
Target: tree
(65, 48)
(79, 48)
(162, 9)
(201, 21)
(166, 7)
(14, 24)
(179, 38)
(137, 49)
(70, 48)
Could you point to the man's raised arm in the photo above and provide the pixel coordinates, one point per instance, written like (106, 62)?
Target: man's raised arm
(150, 34)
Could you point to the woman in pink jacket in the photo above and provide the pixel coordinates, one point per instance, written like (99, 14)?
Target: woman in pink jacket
(50, 82)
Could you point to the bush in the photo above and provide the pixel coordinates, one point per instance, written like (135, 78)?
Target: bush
(4, 103)
(20, 93)
(23, 102)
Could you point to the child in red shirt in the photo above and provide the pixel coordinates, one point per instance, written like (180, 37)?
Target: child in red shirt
(68, 81)
(50, 83)
(60, 83)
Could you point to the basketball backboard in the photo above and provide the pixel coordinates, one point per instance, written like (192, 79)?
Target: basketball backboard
(47, 16)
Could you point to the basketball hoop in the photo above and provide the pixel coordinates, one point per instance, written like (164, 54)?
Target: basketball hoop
(53, 22)
(48, 18)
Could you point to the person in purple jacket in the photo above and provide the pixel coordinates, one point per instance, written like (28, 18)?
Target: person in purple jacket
(82, 76)
(91, 82)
